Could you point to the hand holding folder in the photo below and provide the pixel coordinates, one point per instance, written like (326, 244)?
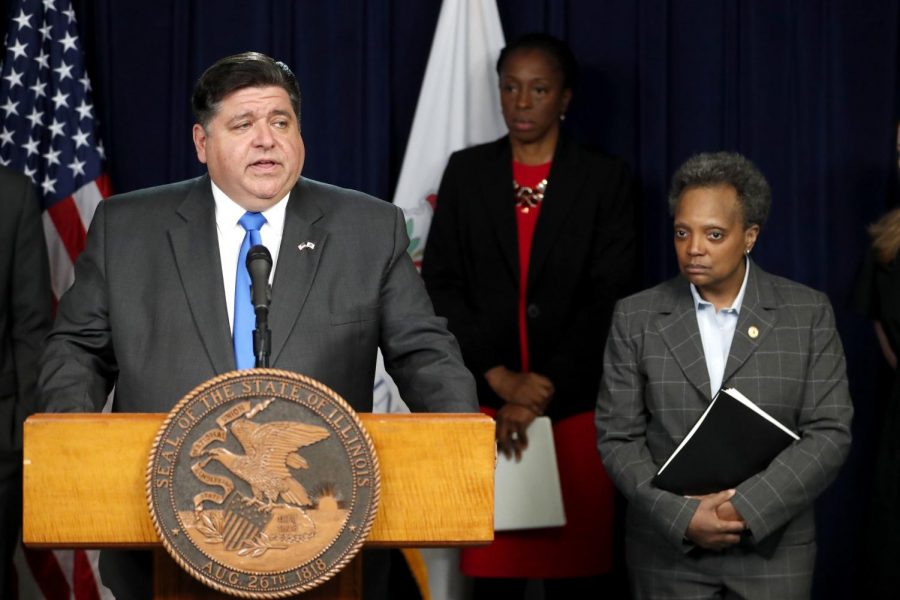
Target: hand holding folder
(716, 524)
(733, 440)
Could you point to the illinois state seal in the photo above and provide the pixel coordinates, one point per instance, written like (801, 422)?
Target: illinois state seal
(262, 483)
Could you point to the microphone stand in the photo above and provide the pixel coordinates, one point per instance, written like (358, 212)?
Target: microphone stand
(262, 336)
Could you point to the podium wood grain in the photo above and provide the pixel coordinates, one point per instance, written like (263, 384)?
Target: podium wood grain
(84, 479)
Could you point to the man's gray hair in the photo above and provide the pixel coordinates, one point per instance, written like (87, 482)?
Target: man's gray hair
(713, 169)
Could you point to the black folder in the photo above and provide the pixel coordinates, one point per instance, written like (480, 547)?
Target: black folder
(732, 441)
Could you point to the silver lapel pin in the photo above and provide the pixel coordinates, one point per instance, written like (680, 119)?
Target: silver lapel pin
(306, 245)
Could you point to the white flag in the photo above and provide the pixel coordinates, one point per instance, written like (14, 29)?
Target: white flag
(459, 106)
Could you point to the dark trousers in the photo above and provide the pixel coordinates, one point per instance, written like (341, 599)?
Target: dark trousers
(10, 523)
(489, 588)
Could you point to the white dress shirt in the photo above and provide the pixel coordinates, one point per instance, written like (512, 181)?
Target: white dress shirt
(717, 331)
(231, 236)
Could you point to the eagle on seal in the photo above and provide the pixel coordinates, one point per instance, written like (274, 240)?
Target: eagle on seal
(270, 449)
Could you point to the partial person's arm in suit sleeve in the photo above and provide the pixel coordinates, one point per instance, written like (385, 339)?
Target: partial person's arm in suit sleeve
(78, 367)
(420, 354)
(29, 313)
(621, 420)
(797, 476)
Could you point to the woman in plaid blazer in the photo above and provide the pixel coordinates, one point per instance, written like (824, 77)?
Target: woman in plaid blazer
(723, 323)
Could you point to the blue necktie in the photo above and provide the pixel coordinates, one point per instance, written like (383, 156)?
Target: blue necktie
(244, 316)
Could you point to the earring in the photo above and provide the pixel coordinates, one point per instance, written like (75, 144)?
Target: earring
(562, 117)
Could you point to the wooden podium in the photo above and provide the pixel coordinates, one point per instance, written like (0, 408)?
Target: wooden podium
(84, 488)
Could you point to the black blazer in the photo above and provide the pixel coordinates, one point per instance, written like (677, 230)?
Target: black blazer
(583, 258)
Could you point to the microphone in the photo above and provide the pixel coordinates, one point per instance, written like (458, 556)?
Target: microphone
(259, 264)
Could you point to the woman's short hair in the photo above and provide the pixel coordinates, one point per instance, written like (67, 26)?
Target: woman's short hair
(725, 168)
(236, 72)
(556, 49)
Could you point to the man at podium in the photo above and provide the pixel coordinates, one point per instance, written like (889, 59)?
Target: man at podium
(160, 298)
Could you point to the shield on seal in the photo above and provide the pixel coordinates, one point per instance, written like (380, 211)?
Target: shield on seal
(262, 483)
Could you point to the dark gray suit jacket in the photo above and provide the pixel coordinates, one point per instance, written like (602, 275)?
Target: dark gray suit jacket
(147, 310)
(25, 310)
(25, 315)
(656, 385)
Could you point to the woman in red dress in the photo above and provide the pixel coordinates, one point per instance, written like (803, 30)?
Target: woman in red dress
(532, 242)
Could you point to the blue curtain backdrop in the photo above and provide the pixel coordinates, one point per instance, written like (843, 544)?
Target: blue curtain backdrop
(806, 88)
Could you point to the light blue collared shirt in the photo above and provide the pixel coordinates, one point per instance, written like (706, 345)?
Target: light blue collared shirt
(231, 236)
(717, 331)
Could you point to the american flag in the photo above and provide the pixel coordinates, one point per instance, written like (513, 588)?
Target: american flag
(48, 128)
(48, 132)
